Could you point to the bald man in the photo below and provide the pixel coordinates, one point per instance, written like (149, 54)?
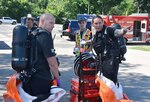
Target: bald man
(46, 65)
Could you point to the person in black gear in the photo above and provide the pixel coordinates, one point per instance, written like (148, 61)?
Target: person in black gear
(105, 44)
(46, 65)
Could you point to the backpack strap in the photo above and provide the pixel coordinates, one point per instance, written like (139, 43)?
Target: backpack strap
(105, 32)
(105, 35)
(35, 52)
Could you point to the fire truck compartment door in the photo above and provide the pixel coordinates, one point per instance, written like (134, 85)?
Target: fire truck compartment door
(143, 26)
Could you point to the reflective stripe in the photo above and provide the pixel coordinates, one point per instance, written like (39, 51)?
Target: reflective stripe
(19, 59)
(85, 35)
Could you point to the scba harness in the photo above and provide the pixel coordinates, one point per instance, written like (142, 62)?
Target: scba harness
(24, 51)
(104, 44)
(108, 46)
(24, 58)
(107, 51)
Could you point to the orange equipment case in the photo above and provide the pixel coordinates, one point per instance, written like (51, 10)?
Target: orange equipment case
(87, 89)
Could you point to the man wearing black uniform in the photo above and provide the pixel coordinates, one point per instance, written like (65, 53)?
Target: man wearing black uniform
(46, 65)
(105, 44)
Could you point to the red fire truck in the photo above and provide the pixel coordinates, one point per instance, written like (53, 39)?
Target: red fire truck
(140, 24)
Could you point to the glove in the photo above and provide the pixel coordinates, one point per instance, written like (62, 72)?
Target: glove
(58, 82)
(75, 50)
(83, 42)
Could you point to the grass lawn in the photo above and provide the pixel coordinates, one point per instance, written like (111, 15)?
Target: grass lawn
(143, 48)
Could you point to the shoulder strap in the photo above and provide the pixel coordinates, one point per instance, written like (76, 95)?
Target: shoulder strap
(105, 32)
(38, 31)
(35, 36)
(42, 31)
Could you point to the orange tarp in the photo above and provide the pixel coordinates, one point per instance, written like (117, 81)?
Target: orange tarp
(12, 94)
(106, 93)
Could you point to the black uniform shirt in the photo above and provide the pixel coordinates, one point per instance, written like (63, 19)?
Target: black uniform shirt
(45, 50)
(104, 40)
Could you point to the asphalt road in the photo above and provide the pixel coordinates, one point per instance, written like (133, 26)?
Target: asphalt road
(134, 73)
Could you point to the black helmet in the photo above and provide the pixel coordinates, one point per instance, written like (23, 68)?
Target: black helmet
(116, 26)
(87, 58)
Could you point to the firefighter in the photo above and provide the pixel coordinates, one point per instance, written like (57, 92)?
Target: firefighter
(83, 35)
(105, 44)
(46, 65)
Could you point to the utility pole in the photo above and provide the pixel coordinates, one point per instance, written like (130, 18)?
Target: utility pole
(138, 6)
(138, 9)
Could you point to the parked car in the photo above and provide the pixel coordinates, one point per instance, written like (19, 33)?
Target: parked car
(65, 28)
(72, 27)
(23, 20)
(8, 20)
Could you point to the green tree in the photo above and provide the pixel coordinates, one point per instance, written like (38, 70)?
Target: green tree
(102, 6)
(126, 7)
(15, 9)
(142, 6)
(70, 8)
